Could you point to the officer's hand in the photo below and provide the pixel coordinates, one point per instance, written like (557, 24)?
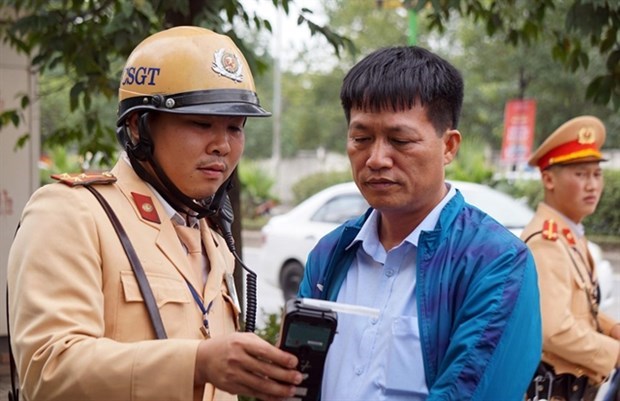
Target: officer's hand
(243, 363)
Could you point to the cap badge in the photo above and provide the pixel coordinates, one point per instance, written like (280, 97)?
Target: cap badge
(586, 135)
(228, 65)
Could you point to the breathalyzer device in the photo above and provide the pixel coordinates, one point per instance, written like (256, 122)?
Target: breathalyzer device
(307, 332)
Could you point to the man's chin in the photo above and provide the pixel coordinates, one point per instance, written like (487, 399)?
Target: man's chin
(202, 195)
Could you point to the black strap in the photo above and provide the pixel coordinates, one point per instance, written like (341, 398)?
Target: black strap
(134, 261)
(532, 235)
(14, 390)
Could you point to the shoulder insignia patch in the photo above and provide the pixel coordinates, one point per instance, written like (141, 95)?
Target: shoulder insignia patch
(550, 230)
(569, 237)
(76, 179)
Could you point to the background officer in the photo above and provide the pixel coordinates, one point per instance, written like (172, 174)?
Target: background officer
(580, 344)
(80, 328)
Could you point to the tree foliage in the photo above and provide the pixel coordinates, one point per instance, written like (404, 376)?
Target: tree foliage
(591, 28)
(88, 42)
(495, 73)
(81, 47)
(312, 116)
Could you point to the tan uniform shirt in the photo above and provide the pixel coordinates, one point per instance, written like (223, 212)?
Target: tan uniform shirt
(566, 277)
(80, 329)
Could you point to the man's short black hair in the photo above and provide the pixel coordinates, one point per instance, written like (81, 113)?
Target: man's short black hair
(396, 78)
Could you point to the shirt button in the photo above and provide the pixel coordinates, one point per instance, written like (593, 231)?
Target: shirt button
(358, 371)
(374, 320)
(389, 273)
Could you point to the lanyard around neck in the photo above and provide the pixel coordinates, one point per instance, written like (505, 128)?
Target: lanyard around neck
(205, 310)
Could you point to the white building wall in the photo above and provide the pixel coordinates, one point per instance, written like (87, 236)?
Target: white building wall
(288, 172)
(19, 175)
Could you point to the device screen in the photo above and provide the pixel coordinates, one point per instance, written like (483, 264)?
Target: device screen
(315, 337)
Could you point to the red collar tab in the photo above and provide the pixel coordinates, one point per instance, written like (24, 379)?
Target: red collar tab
(146, 207)
(550, 230)
(77, 179)
(569, 236)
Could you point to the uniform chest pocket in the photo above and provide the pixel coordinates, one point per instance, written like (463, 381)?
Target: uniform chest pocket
(405, 367)
(131, 319)
(165, 289)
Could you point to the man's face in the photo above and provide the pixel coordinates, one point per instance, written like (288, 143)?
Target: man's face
(398, 160)
(574, 189)
(197, 153)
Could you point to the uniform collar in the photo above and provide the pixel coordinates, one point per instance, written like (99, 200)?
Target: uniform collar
(171, 213)
(576, 228)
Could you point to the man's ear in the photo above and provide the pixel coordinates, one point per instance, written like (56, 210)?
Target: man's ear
(452, 143)
(547, 177)
(132, 126)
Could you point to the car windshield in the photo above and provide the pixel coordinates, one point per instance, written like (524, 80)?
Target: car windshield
(341, 208)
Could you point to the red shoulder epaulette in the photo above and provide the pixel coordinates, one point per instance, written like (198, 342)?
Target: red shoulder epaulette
(76, 179)
(550, 230)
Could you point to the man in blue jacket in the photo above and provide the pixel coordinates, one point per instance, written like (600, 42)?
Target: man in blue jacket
(456, 291)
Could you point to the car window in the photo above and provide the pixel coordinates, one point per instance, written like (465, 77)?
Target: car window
(508, 211)
(341, 208)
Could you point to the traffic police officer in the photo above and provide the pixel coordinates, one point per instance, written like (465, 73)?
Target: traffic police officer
(580, 343)
(80, 328)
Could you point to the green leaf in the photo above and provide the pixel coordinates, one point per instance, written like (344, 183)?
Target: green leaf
(74, 95)
(14, 118)
(613, 61)
(25, 101)
(593, 87)
(21, 141)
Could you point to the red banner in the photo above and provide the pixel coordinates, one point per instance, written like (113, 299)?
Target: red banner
(519, 123)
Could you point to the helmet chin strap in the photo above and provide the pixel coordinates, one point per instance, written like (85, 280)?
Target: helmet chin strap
(143, 152)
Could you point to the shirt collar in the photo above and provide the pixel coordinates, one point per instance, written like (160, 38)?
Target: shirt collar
(369, 236)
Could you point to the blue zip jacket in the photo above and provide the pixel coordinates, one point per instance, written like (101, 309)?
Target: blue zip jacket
(477, 297)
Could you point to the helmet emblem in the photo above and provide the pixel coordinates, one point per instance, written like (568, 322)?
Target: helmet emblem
(227, 64)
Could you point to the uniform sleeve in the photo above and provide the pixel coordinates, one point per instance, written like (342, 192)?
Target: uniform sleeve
(563, 333)
(57, 314)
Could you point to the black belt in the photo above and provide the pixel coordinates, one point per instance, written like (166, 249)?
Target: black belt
(547, 384)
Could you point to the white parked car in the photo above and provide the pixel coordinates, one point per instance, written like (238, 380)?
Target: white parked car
(289, 237)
